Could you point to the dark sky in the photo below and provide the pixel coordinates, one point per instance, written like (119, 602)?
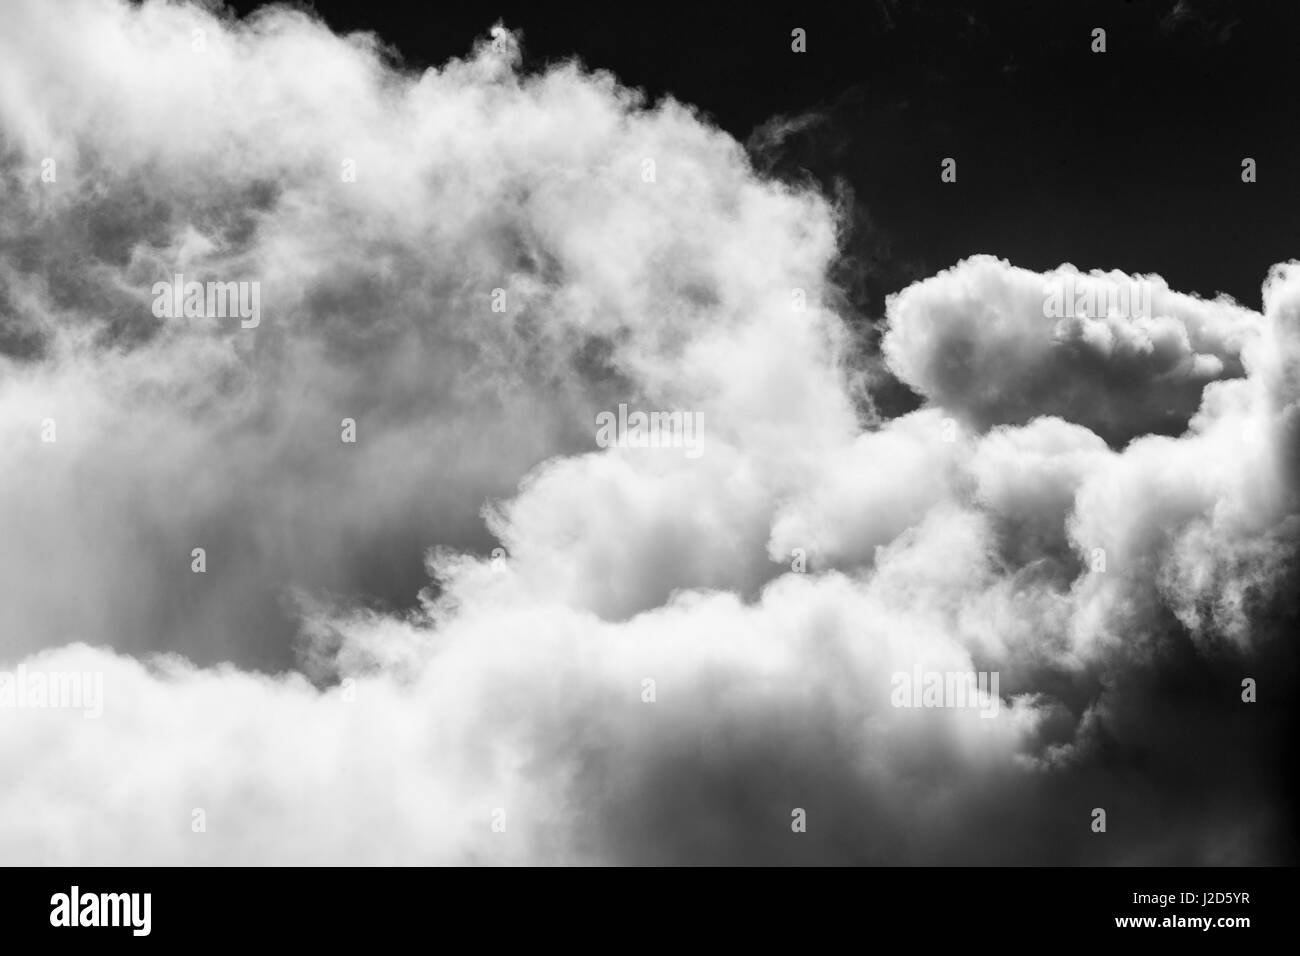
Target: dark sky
(1129, 159)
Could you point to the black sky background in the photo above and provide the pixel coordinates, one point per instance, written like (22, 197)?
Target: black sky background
(1129, 159)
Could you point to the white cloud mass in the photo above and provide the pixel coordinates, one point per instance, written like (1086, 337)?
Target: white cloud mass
(319, 712)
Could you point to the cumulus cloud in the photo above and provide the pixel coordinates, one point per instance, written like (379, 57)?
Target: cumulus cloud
(1099, 508)
(1122, 355)
(377, 298)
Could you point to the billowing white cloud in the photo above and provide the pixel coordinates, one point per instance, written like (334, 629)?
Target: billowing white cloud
(1005, 527)
(1122, 355)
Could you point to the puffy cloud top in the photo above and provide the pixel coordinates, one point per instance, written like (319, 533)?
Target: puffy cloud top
(1123, 355)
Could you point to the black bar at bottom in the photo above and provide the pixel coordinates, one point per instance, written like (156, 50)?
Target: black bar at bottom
(772, 907)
